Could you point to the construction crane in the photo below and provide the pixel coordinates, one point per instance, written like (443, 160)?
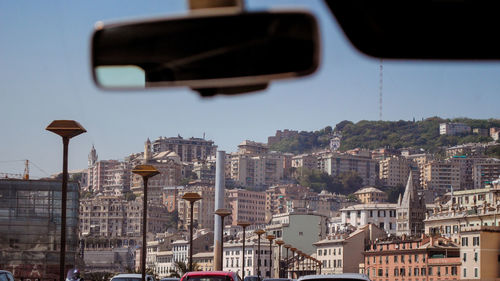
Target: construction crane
(24, 176)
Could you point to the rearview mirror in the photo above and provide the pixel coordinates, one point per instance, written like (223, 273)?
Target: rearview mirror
(212, 54)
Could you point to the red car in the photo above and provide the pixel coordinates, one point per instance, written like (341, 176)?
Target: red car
(210, 276)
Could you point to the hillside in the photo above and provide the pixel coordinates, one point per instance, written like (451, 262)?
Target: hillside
(394, 134)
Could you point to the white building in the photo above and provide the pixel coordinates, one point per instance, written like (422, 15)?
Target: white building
(233, 257)
(453, 129)
(381, 215)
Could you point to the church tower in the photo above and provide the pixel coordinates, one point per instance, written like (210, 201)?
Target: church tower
(410, 211)
(147, 151)
(92, 157)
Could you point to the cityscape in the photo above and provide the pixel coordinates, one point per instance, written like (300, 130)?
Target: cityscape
(389, 213)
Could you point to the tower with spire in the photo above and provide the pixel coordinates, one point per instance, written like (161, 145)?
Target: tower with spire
(147, 151)
(410, 212)
(92, 157)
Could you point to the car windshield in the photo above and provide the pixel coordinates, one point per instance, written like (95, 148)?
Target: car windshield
(388, 168)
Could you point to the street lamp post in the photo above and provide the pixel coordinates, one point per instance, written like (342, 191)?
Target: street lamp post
(243, 224)
(270, 237)
(279, 243)
(222, 213)
(293, 259)
(287, 246)
(299, 256)
(67, 129)
(259, 232)
(145, 171)
(192, 197)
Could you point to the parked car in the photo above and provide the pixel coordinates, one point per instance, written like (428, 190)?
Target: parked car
(170, 279)
(131, 277)
(252, 278)
(210, 276)
(336, 277)
(6, 275)
(277, 279)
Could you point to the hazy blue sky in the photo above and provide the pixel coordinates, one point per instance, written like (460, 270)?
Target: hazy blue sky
(45, 75)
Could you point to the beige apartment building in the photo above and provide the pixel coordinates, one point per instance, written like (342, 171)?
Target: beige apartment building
(342, 253)
(257, 170)
(203, 212)
(108, 216)
(308, 161)
(371, 194)
(394, 171)
(439, 176)
(334, 164)
(166, 162)
(383, 215)
(465, 208)
(277, 198)
(188, 150)
(204, 260)
(247, 205)
(480, 252)
(485, 172)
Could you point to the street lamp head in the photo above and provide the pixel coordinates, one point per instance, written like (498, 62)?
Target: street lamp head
(293, 249)
(270, 237)
(222, 212)
(279, 242)
(259, 232)
(287, 246)
(244, 223)
(145, 171)
(66, 128)
(191, 197)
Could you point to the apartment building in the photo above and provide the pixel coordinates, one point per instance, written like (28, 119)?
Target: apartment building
(307, 161)
(402, 258)
(394, 171)
(453, 129)
(440, 175)
(277, 198)
(203, 212)
(485, 172)
(334, 164)
(371, 194)
(204, 260)
(247, 205)
(383, 215)
(342, 253)
(465, 208)
(480, 252)
(113, 216)
(166, 162)
(188, 150)
(233, 257)
(202, 242)
(260, 171)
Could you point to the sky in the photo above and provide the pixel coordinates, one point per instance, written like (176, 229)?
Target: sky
(45, 75)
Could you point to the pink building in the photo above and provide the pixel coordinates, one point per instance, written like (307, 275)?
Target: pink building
(413, 259)
(247, 205)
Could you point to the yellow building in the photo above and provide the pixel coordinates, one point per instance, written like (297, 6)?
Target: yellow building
(371, 194)
(480, 253)
(205, 261)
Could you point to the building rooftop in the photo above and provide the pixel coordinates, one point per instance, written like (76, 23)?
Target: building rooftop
(368, 189)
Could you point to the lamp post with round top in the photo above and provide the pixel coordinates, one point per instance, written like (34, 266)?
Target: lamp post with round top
(222, 213)
(279, 243)
(293, 259)
(299, 257)
(287, 247)
(145, 171)
(191, 197)
(243, 224)
(67, 129)
(259, 232)
(270, 237)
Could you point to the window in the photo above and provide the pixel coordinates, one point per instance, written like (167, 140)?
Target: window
(380, 272)
(319, 252)
(422, 271)
(415, 271)
(465, 256)
(453, 270)
(465, 272)
(402, 258)
(395, 258)
(416, 258)
(396, 271)
(476, 273)
(430, 271)
(475, 256)
(475, 241)
(465, 241)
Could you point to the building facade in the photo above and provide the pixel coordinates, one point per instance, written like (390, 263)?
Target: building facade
(247, 205)
(335, 164)
(453, 129)
(188, 150)
(371, 195)
(383, 215)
